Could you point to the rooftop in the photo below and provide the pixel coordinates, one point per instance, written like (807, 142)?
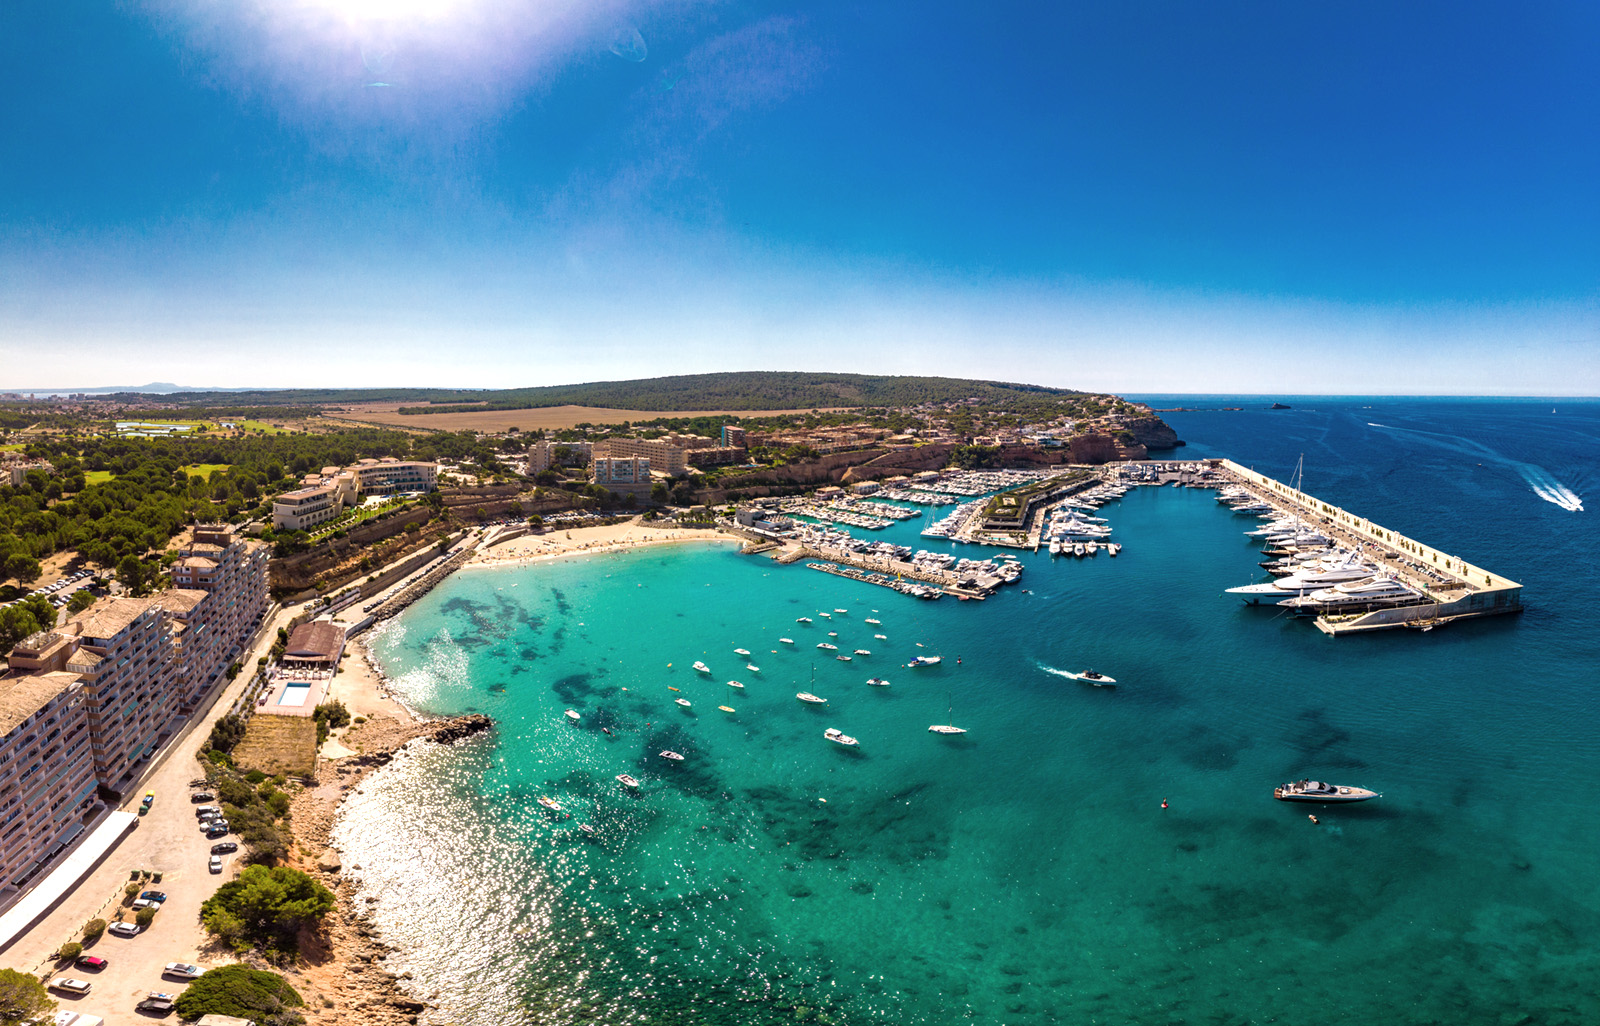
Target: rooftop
(110, 617)
(319, 639)
(23, 694)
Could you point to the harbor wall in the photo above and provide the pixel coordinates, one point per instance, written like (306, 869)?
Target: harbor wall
(1476, 576)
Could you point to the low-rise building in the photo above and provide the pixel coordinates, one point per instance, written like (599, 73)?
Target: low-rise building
(314, 646)
(716, 456)
(305, 508)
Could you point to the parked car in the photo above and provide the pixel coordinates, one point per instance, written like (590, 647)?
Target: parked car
(213, 810)
(218, 829)
(124, 929)
(91, 962)
(202, 796)
(183, 970)
(215, 865)
(70, 984)
(156, 1004)
(140, 903)
(156, 896)
(224, 848)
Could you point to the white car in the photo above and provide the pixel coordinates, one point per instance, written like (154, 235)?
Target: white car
(70, 984)
(215, 864)
(124, 929)
(184, 970)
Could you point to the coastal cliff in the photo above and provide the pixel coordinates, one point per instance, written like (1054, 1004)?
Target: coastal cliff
(1151, 432)
(341, 974)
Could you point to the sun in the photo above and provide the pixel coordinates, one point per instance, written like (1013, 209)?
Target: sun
(388, 10)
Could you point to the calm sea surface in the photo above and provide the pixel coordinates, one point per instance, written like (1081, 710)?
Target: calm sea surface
(1026, 874)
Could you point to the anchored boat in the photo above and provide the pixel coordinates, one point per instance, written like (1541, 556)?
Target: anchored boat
(1317, 791)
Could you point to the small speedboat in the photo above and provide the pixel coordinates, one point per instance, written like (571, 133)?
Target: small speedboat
(833, 634)
(926, 661)
(743, 652)
(875, 623)
(877, 682)
(587, 829)
(826, 616)
(786, 641)
(836, 609)
(1113, 548)
(839, 737)
(671, 756)
(725, 708)
(734, 684)
(572, 714)
(683, 702)
(863, 651)
(881, 637)
(830, 648)
(752, 667)
(842, 658)
(700, 667)
(627, 781)
(1099, 680)
(1316, 791)
(806, 696)
(802, 619)
(549, 803)
(945, 728)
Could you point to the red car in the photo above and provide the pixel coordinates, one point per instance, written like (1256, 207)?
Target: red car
(91, 962)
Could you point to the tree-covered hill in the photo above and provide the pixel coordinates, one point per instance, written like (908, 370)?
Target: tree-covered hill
(734, 390)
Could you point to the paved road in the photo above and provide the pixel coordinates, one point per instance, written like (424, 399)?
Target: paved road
(166, 840)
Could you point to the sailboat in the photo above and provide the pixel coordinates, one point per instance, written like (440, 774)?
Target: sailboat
(945, 728)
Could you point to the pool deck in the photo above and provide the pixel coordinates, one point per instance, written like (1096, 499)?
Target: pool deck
(283, 681)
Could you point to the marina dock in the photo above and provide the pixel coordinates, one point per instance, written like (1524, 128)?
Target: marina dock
(1452, 589)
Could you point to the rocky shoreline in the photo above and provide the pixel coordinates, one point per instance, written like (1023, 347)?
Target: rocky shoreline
(342, 976)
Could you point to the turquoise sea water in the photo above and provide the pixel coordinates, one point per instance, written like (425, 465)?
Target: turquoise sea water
(1026, 873)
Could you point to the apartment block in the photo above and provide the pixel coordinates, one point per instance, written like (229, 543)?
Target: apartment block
(47, 783)
(625, 475)
(544, 455)
(218, 598)
(665, 455)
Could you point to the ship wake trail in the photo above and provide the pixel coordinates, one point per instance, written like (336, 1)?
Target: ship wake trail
(1058, 673)
(1540, 480)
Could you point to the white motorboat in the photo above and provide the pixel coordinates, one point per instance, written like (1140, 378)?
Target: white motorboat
(752, 667)
(842, 658)
(877, 682)
(826, 616)
(700, 667)
(726, 708)
(945, 728)
(1099, 680)
(1055, 546)
(826, 645)
(925, 661)
(839, 737)
(863, 651)
(572, 714)
(802, 619)
(1113, 548)
(734, 684)
(785, 641)
(1317, 791)
(833, 634)
(836, 609)
(743, 653)
(806, 696)
(549, 803)
(683, 702)
(881, 637)
(671, 756)
(626, 780)
(875, 623)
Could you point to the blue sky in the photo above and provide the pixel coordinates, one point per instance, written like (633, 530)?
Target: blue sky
(1136, 196)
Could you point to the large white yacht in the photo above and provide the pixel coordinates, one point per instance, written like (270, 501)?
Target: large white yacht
(1380, 590)
(1317, 791)
(1304, 582)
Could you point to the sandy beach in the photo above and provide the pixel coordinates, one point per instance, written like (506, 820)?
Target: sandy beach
(557, 542)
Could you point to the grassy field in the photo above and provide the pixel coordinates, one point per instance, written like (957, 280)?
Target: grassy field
(547, 418)
(13, 447)
(204, 469)
(278, 744)
(261, 425)
(93, 477)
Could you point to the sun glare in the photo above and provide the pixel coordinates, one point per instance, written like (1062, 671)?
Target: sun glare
(389, 10)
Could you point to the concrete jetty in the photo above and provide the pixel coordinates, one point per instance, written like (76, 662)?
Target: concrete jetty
(1452, 588)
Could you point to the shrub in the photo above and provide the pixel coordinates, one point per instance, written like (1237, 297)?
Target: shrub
(266, 908)
(94, 929)
(71, 949)
(255, 776)
(131, 890)
(238, 990)
(146, 916)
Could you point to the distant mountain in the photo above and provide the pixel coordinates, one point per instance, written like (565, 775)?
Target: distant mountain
(154, 388)
(733, 390)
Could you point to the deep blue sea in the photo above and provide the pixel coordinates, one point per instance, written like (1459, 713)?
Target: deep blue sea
(1026, 873)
